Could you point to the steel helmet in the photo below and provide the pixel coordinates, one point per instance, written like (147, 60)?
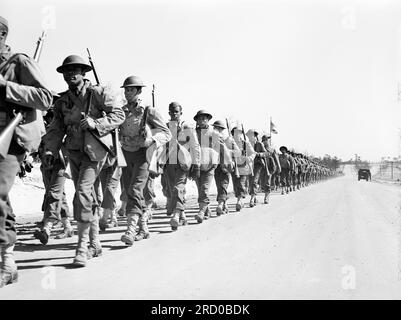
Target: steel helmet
(219, 124)
(201, 112)
(133, 81)
(74, 60)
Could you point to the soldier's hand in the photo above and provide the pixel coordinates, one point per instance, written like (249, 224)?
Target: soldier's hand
(88, 123)
(48, 160)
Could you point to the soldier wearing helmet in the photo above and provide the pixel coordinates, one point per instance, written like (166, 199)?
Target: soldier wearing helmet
(226, 165)
(259, 165)
(245, 165)
(210, 145)
(142, 129)
(84, 116)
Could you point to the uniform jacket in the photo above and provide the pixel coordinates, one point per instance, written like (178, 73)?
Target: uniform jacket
(130, 137)
(209, 141)
(98, 104)
(183, 148)
(245, 160)
(25, 91)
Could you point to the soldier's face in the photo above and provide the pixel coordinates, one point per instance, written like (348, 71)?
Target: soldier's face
(202, 120)
(175, 113)
(131, 94)
(73, 75)
(3, 37)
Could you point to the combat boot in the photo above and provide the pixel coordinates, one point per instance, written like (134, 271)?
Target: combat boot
(143, 232)
(225, 208)
(104, 218)
(238, 206)
(129, 236)
(208, 212)
(220, 208)
(252, 201)
(201, 214)
(68, 231)
(95, 247)
(266, 199)
(183, 218)
(175, 220)
(121, 211)
(8, 268)
(44, 234)
(113, 219)
(81, 254)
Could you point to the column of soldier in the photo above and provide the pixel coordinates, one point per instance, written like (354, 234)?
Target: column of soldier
(79, 142)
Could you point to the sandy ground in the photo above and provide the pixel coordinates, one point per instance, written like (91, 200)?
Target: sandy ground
(339, 239)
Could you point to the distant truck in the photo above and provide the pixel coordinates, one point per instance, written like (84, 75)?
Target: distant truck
(364, 174)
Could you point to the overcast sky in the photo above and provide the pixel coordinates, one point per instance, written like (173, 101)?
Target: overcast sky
(325, 71)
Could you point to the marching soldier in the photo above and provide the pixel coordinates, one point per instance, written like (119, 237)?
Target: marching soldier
(22, 89)
(82, 114)
(143, 128)
(273, 165)
(226, 166)
(210, 144)
(259, 165)
(285, 169)
(245, 166)
(55, 206)
(183, 151)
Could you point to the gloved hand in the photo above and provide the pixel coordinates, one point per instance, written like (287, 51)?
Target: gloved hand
(48, 160)
(194, 172)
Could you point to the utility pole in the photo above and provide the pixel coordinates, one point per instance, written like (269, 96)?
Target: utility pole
(392, 170)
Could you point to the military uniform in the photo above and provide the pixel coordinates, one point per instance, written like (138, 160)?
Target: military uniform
(259, 166)
(86, 154)
(226, 166)
(182, 152)
(245, 166)
(210, 145)
(22, 88)
(136, 173)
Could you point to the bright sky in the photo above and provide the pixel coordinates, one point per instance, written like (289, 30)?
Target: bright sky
(325, 71)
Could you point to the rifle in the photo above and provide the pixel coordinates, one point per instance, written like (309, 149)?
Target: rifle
(153, 96)
(7, 134)
(118, 153)
(236, 172)
(244, 148)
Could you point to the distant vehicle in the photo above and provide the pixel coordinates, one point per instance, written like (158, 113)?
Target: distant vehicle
(364, 174)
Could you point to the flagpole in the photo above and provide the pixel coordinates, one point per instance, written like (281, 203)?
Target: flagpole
(270, 129)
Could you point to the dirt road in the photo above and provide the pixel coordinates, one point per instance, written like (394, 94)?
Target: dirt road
(338, 239)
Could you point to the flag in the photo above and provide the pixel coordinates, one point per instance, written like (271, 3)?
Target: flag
(273, 128)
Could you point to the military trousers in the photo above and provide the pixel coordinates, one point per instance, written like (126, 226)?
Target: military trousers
(239, 185)
(265, 181)
(9, 167)
(203, 184)
(255, 179)
(55, 205)
(285, 177)
(222, 180)
(175, 180)
(106, 186)
(84, 173)
(135, 176)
